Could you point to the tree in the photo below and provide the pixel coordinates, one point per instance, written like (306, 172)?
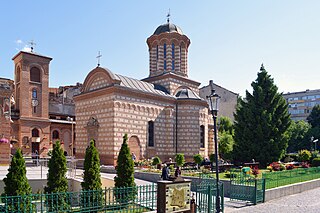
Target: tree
(198, 159)
(180, 159)
(16, 184)
(261, 123)
(125, 174)
(57, 180)
(298, 136)
(226, 143)
(91, 179)
(225, 125)
(304, 155)
(314, 117)
(156, 160)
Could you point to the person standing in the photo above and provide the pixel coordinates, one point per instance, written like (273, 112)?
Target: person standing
(165, 172)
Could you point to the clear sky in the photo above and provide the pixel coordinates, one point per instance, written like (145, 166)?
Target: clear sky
(229, 39)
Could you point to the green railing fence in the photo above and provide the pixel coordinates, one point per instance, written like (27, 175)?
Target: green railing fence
(282, 178)
(130, 199)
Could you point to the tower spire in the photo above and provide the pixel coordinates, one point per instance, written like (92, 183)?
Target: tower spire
(168, 16)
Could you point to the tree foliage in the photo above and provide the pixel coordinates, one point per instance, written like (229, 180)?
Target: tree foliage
(225, 125)
(226, 143)
(261, 122)
(156, 160)
(125, 174)
(56, 179)
(298, 136)
(314, 117)
(91, 175)
(304, 155)
(198, 159)
(16, 183)
(180, 159)
(92, 195)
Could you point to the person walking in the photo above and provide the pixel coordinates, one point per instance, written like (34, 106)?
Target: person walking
(165, 172)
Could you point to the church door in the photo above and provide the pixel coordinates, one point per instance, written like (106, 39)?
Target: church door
(134, 145)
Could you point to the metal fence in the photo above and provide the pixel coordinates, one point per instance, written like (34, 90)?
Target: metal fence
(129, 199)
(282, 178)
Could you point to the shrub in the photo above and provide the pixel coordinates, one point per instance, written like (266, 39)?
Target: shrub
(269, 168)
(282, 167)
(275, 166)
(212, 158)
(304, 155)
(305, 165)
(316, 162)
(198, 159)
(255, 171)
(314, 155)
(171, 167)
(180, 159)
(156, 160)
(289, 167)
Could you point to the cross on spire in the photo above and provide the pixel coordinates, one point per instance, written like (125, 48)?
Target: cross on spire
(32, 44)
(98, 57)
(168, 16)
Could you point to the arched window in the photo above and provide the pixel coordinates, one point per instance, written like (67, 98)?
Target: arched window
(35, 132)
(18, 73)
(55, 134)
(34, 94)
(165, 56)
(172, 53)
(35, 74)
(151, 133)
(202, 136)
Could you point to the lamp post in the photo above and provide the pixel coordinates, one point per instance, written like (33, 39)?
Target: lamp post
(71, 119)
(315, 143)
(214, 106)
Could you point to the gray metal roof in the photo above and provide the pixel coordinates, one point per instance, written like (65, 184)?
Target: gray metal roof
(187, 94)
(142, 86)
(168, 27)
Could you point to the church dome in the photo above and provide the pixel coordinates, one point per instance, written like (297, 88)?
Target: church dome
(168, 28)
(186, 93)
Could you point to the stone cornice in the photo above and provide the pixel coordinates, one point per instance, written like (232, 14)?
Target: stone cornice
(170, 75)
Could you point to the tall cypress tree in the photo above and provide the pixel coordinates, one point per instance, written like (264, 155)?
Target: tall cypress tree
(261, 123)
(57, 180)
(16, 183)
(92, 195)
(91, 175)
(125, 173)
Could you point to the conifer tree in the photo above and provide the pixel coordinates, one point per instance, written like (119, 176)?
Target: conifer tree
(16, 184)
(57, 180)
(125, 173)
(261, 123)
(92, 195)
(314, 117)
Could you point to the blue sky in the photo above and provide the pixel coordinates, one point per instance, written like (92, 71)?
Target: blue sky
(229, 39)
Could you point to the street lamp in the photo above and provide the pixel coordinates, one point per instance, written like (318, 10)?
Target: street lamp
(315, 143)
(214, 107)
(71, 119)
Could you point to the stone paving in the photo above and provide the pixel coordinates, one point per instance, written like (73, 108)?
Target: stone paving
(307, 201)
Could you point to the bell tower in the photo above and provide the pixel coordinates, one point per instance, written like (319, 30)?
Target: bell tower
(32, 84)
(168, 51)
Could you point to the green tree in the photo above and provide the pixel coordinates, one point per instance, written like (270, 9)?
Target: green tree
(198, 159)
(16, 183)
(156, 160)
(261, 123)
(92, 195)
(125, 174)
(56, 180)
(298, 136)
(180, 159)
(304, 155)
(226, 143)
(314, 117)
(225, 125)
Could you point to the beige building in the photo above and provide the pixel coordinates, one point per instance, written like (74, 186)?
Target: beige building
(227, 102)
(163, 114)
(300, 104)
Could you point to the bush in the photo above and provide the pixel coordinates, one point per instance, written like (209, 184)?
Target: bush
(282, 167)
(269, 168)
(304, 155)
(316, 162)
(289, 167)
(212, 158)
(180, 159)
(275, 166)
(305, 165)
(198, 159)
(156, 160)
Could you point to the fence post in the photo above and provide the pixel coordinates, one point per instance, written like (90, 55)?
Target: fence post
(255, 192)
(263, 189)
(210, 199)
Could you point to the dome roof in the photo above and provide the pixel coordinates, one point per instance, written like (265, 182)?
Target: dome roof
(169, 28)
(187, 94)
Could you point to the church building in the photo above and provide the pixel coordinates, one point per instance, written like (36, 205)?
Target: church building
(163, 114)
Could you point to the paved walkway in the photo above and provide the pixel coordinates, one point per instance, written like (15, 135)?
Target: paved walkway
(307, 201)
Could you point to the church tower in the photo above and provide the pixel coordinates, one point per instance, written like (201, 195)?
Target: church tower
(32, 84)
(168, 51)
(168, 59)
